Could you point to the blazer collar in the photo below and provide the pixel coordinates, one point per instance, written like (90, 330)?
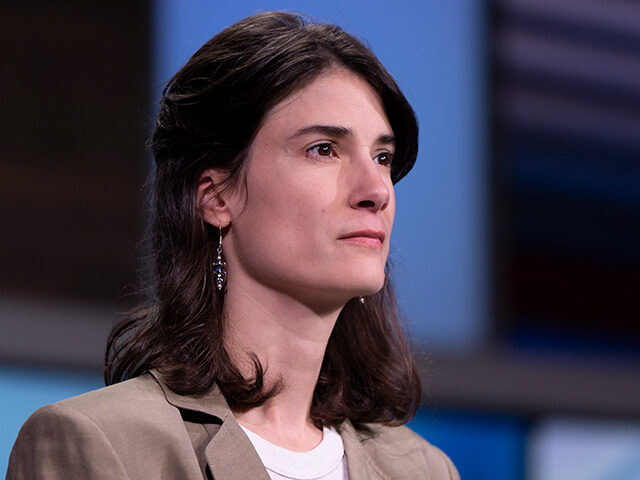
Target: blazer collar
(229, 439)
(211, 402)
(226, 441)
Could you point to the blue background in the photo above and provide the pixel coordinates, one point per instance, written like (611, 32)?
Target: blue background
(435, 50)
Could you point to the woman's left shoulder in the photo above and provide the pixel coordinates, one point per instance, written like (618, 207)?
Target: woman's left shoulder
(397, 446)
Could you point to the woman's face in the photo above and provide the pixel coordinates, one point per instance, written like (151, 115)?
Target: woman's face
(317, 173)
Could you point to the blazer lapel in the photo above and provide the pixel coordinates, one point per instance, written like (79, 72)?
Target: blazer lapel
(357, 465)
(230, 454)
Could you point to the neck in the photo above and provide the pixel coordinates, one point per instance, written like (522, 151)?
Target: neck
(290, 340)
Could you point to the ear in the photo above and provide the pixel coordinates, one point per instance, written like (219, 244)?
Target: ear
(213, 208)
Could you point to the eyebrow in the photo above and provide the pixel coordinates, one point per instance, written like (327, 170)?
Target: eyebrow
(339, 132)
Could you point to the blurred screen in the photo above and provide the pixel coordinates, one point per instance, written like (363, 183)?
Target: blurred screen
(566, 173)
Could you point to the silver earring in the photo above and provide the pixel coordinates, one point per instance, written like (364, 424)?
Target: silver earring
(218, 266)
(361, 299)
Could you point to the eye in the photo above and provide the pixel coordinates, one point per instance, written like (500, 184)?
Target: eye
(384, 158)
(326, 149)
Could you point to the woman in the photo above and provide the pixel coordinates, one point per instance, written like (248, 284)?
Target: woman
(271, 338)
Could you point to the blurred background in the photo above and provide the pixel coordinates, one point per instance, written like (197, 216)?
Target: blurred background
(516, 247)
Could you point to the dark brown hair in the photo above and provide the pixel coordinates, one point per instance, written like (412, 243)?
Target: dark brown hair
(210, 112)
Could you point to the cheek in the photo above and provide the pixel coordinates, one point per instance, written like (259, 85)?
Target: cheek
(389, 213)
(291, 217)
(303, 219)
(284, 237)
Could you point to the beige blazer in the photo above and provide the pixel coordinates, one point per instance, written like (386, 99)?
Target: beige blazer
(141, 430)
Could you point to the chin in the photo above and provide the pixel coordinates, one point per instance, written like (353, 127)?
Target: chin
(374, 285)
(353, 282)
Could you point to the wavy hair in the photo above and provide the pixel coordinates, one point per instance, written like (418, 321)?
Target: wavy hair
(209, 114)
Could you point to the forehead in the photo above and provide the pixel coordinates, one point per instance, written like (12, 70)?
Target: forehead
(337, 97)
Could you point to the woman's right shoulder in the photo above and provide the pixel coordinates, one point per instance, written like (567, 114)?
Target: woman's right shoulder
(125, 401)
(101, 425)
(127, 405)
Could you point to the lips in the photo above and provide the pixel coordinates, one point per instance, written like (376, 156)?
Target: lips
(374, 234)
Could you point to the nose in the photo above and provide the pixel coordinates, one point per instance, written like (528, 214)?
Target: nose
(370, 190)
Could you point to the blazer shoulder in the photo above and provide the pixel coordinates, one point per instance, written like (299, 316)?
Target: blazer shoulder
(127, 427)
(400, 447)
(55, 443)
(121, 400)
(128, 409)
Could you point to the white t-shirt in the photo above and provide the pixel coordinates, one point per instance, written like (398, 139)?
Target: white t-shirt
(324, 462)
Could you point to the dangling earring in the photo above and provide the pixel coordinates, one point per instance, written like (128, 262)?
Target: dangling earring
(218, 266)
(361, 299)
